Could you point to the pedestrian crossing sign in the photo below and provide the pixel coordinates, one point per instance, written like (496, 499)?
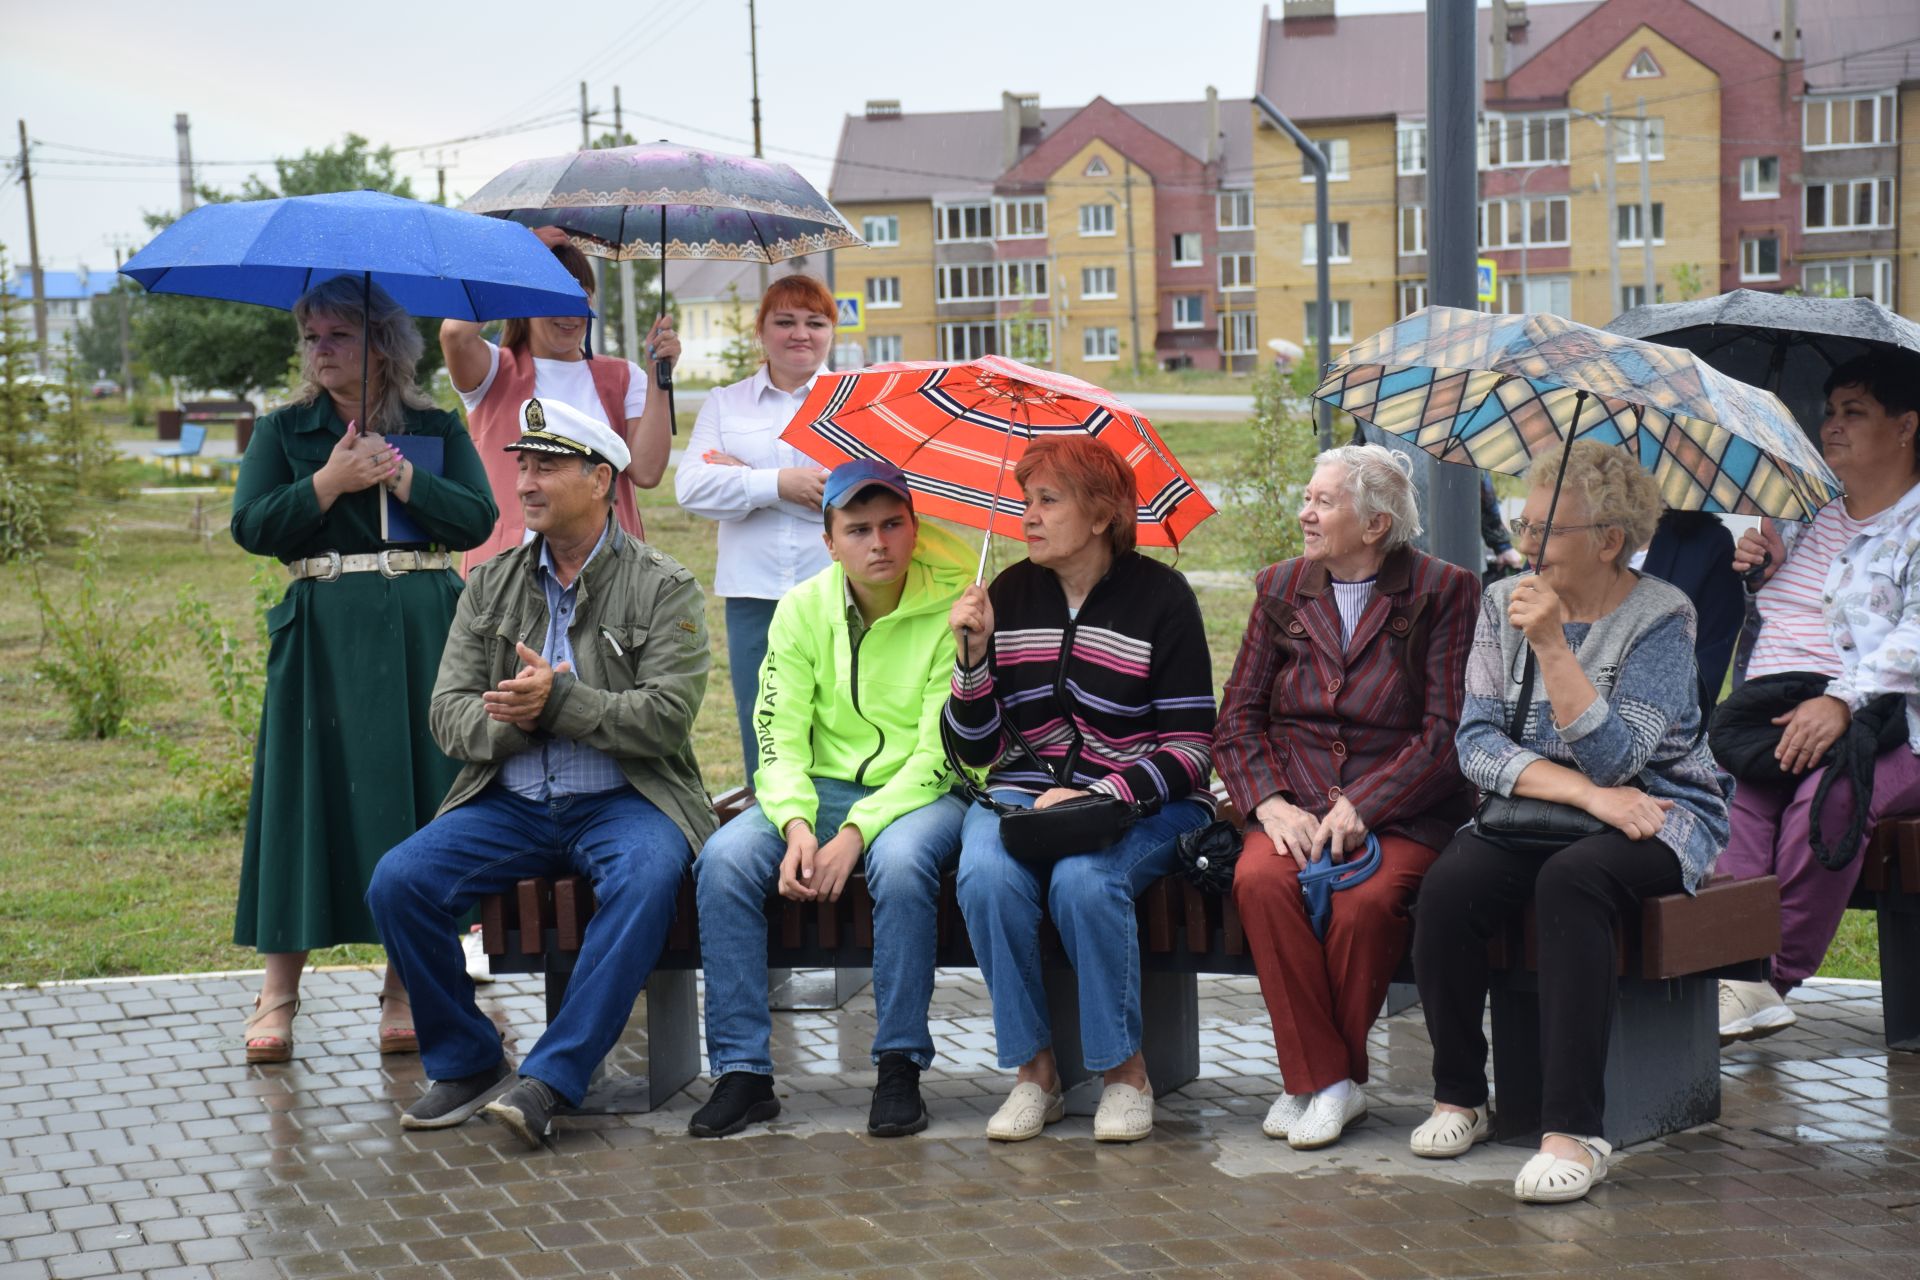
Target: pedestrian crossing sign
(1486, 279)
(849, 316)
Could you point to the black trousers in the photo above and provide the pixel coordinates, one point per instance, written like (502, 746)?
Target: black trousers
(1471, 891)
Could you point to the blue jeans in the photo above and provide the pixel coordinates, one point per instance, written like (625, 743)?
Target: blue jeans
(632, 852)
(747, 623)
(1090, 899)
(739, 869)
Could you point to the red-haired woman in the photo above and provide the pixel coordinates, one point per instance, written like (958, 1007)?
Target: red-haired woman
(1096, 656)
(764, 493)
(547, 358)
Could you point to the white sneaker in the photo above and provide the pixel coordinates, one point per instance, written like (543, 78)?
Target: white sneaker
(1750, 1010)
(475, 952)
(1327, 1117)
(1285, 1113)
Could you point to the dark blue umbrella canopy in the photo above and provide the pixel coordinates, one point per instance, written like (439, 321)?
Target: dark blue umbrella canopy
(432, 261)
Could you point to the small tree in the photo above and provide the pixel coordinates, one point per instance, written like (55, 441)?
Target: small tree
(102, 661)
(81, 457)
(1689, 281)
(1279, 463)
(742, 353)
(21, 405)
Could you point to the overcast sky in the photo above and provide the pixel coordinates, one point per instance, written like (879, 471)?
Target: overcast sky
(261, 80)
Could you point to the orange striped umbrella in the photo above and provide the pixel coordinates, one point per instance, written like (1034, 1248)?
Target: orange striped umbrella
(957, 429)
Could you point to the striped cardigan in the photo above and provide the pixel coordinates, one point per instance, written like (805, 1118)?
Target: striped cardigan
(1312, 719)
(1132, 668)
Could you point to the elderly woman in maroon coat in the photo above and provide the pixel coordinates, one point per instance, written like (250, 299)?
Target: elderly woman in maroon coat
(1338, 723)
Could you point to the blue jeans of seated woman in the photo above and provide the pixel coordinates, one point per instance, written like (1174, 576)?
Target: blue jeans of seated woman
(739, 869)
(747, 623)
(1090, 899)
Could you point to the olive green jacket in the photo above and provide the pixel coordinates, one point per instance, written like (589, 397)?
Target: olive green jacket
(640, 670)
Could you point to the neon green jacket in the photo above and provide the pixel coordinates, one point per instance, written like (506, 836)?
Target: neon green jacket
(868, 715)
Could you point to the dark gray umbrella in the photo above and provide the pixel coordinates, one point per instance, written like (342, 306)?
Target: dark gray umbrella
(1784, 343)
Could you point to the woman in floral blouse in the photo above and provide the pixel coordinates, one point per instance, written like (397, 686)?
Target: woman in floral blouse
(1841, 599)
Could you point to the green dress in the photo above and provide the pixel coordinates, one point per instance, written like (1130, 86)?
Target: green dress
(345, 766)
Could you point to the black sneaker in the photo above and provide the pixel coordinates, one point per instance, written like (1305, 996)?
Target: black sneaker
(740, 1098)
(897, 1109)
(525, 1110)
(449, 1102)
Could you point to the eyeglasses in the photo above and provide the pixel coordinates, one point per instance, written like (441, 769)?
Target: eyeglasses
(1521, 528)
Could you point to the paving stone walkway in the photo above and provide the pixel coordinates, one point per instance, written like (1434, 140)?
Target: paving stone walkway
(132, 1143)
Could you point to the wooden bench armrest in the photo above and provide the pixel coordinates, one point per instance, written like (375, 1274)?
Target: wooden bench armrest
(1727, 922)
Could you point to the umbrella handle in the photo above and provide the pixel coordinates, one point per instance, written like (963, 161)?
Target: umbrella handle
(663, 379)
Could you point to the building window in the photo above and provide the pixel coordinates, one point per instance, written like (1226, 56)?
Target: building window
(1234, 211)
(1856, 120)
(1187, 251)
(1410, 147)
(1029, 341)
(1760, 177)
(969, 341)
(1548, 294)
(973, 282)
(1413, 229)
(1020, 218)
(1511, 224)
(1024, 279)
(1626, 223)
(1101, 343)
(1635, 295)
(1858, 205)
(883, 291)
(1096, 219)
(883, 349)
(1538, 138)
(1237, 331)
(1628, 131)
(1236, 271)
(956, 223)
(1339, 248)
(1760, 258)
(1098, 282)
(1412, 297)
(1189, 310)
(1644, 67)
(1342, 321)
(1850, 278)
(880, 233)
(1336, 149)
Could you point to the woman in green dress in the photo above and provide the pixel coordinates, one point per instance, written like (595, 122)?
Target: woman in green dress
(345, 766)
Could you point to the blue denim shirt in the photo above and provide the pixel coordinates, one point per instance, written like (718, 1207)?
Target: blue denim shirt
(560, 766)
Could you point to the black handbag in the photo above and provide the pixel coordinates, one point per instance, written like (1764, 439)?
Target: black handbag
(1524, 824)
(1205, 857)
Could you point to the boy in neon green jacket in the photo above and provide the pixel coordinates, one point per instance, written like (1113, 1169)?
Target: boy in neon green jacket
(847, 724)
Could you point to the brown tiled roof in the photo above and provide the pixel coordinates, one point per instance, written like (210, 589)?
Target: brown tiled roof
(1865, 44)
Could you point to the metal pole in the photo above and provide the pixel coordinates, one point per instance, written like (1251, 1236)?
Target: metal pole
(184, 132)
(1322, 246)
(753, 68)
(1646, 206)
(1133, 276)
(1452, 491)
(37, 276)
(1613, 213)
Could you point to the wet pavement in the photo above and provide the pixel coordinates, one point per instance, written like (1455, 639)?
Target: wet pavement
(133, 1143)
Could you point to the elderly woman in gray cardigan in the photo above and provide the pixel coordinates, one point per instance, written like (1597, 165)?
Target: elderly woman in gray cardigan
(1614, 730)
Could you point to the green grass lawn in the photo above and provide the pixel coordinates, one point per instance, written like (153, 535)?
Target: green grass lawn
(106, 869)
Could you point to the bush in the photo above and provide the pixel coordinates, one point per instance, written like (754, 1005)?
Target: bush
(1279, 464)
(103, 662)
(23, 521)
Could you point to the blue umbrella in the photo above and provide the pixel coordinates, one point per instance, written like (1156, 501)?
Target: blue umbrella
(1323, 875)
(432, 261)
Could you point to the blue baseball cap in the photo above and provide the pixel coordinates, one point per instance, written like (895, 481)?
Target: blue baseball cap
(849, 478)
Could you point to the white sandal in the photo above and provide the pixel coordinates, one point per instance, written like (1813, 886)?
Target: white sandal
(1446, 1134)
(1285, 1113)
(1125, 1114)
(1551, 1179)
(1026, 1113)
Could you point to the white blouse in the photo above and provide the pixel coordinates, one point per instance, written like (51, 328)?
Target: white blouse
(767, 545)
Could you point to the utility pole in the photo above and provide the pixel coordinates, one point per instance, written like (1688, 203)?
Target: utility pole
(184, 132)
(599, 276)
(1133, 275)
(34, 273)
(124, 303)
(440, 175)
(1646, 205)
(632, 332)
(1613, 213)
(753, 66)
(1452, 490)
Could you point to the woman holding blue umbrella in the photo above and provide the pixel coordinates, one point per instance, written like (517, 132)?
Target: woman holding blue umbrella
(345, 767)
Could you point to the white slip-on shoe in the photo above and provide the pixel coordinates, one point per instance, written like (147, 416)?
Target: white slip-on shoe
(1446, 1134)
(1026, 1113)
(1750, 1010)
(1326, 1118)
(1551, 1179)
(1125, 1114)
(1285, 1113)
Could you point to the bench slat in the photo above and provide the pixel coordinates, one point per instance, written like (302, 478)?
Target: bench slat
(572, 908)
(536, 914)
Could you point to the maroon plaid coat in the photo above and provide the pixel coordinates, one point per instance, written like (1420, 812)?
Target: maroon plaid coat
(1311, 719)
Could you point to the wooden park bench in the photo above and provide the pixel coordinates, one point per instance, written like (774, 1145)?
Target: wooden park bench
(1890, 888)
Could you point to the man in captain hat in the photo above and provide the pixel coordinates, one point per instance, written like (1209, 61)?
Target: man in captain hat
(568, 687)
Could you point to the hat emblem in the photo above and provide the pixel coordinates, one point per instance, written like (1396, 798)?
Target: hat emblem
(536, 416)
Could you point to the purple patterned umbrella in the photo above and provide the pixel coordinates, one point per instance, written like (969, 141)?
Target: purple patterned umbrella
(664, 201)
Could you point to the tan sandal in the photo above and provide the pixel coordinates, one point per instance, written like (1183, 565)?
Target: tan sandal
(270, 1048)
(396, 1030)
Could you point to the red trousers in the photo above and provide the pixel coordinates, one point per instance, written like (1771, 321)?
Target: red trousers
(1324, 995)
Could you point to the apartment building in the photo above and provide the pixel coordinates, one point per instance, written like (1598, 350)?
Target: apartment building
(1628, 151)
(1068, 237)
